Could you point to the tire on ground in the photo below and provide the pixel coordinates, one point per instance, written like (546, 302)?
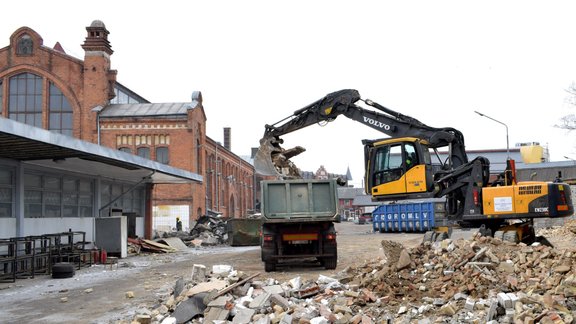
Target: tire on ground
(269, 266)
(330, 263)
(63, 270)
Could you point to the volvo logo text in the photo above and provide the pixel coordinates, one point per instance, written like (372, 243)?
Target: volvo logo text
(376, 123)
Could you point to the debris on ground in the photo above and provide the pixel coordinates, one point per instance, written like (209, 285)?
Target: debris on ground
(149, 246)
(481, 280)
(208, 231)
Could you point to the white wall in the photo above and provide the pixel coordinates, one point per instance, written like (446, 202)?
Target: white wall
(140, 226)
(39, 226)
(7, 227)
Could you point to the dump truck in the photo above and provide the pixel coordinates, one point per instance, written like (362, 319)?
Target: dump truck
(298, 222)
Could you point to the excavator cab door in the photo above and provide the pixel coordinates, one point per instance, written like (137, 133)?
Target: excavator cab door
(398, 168)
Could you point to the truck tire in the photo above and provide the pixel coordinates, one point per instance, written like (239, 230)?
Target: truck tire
(63, 270)
(269, 266)
(330, 263)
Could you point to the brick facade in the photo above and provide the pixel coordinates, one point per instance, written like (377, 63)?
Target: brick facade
(88, 85)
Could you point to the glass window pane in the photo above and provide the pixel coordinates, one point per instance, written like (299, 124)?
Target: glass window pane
(70, 211)
(85, 199)
(70, 198)
(52, 198)
(70, 184)
(32, 180)
(6, 195)
(54, 121)
(66, 120)
(143, 152)
(85, 211)
(85, 186)
(51, 182)
(33, 210)
(116, 190)
(6, 177)
(60, 106)
(32, 197)
(5, 210)
(52, 211)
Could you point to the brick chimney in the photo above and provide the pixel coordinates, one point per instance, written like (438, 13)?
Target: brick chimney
(227, 139)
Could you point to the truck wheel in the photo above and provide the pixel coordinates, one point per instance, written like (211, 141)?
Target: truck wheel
(330, 263)
(63, 270)
(269, 266)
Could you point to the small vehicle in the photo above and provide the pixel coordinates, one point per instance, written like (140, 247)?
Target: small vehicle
(365, 218)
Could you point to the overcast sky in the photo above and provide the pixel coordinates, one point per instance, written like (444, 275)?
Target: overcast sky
(256, 62)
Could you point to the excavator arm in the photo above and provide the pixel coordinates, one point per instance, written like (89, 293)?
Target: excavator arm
(272, 159)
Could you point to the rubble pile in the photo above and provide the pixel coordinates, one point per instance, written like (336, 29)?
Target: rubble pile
(208, 231)
(483, 280)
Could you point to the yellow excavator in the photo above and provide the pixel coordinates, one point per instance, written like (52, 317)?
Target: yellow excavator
(401, 167)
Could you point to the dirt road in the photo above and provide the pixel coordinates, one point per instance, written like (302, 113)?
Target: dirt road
(98, 294)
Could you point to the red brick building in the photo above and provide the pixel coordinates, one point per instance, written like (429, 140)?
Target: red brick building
(47, 88)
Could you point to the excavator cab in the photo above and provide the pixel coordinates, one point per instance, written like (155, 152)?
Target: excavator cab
(398, 168)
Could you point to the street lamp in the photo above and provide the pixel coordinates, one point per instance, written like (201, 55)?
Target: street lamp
(507, 143)
(569, 158)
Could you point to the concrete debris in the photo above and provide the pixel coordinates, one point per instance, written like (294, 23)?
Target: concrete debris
(482, 280)
(210, 230)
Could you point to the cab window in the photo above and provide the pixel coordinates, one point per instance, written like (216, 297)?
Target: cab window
(387, 164)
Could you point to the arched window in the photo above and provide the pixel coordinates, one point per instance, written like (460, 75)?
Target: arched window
(125, 149)
(143, 152)
(162, 155)
(60, 119)
(25, 99)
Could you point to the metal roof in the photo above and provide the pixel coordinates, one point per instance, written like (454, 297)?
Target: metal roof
(349, 192)
(148, 109)
(37, 146)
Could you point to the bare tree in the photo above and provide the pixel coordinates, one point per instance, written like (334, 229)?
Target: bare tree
(569, 121)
